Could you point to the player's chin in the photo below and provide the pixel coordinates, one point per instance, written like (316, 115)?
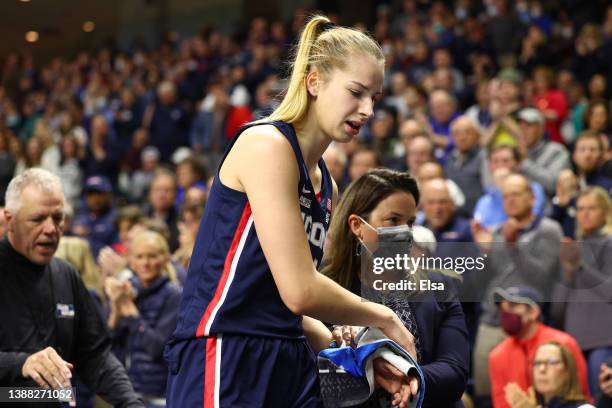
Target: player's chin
(343, 136)
(343, 139)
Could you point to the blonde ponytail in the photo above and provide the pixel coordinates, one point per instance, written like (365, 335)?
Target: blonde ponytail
(325, 47)
(295, 103)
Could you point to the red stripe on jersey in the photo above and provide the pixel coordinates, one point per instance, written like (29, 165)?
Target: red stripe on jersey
(210, 369)
(246, 213)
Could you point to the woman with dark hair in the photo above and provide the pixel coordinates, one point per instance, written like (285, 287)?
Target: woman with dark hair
(597, 119)
(597, 116)
(190, 172)
(379, 202)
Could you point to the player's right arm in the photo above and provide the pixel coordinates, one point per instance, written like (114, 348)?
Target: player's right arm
(263, 165)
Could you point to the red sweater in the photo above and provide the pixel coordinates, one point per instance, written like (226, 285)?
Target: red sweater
(511, 361)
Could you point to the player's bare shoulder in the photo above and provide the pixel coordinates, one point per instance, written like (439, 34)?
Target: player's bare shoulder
(262, 137)
(258, 147)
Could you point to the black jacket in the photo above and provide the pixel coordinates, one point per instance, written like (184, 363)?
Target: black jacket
(42, 306)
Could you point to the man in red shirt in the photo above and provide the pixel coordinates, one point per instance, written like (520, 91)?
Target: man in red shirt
(511, 361)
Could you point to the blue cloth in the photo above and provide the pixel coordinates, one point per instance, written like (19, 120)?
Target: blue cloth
(489, 210)
(354, 360)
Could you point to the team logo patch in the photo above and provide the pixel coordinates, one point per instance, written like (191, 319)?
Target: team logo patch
(63, 311)
(305, 202)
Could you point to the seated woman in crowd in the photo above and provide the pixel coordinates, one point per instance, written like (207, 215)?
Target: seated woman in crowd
(143, 315)
(555, 382)
(380, 202)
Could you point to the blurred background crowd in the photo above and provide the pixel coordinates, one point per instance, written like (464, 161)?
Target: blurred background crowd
(500, 109)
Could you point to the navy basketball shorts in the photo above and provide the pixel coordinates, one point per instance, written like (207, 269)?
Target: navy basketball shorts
(226, 371)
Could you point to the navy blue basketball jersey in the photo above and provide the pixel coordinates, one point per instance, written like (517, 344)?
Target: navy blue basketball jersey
(229, 287)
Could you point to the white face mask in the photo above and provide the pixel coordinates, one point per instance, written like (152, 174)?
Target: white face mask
(396, 234)
(392, 242)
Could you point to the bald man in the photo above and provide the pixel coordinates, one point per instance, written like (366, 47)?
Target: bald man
(440, 213)
(464, 163)
(420, 150)
(526, 252)
(431, 170)
(409, 129)
(443, 109)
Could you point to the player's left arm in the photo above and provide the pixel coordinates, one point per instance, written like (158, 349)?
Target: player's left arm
(318, 335)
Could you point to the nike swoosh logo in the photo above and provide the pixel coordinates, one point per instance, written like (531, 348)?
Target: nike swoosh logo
(305, 190)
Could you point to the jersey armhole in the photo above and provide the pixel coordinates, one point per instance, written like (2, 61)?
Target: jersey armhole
(278, 125)
(217, 177)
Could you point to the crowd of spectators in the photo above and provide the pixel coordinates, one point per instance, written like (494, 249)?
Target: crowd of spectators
(500, 109)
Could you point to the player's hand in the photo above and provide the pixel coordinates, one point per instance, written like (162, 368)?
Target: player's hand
(397, 332)
(402, 387)
(47, 369)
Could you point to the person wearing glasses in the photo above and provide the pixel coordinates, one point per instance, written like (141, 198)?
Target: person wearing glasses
(555, 381)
